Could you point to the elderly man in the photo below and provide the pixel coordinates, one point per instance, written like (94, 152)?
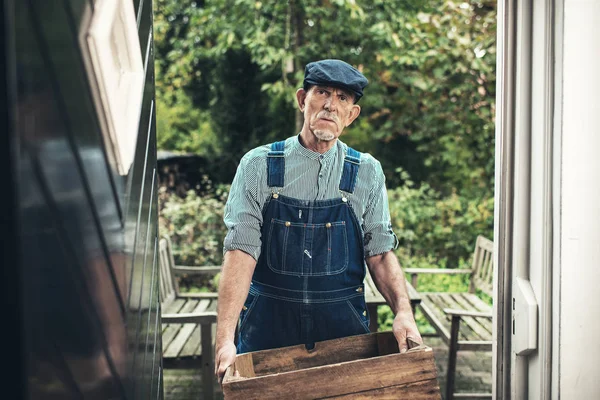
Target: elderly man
(304, 215)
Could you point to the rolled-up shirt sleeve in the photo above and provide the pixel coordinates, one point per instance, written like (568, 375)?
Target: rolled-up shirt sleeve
(379, 236)
(243, 210)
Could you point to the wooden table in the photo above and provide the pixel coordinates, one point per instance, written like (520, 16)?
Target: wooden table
(375, 299)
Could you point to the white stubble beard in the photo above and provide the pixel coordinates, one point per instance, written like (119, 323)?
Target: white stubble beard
(326, 136)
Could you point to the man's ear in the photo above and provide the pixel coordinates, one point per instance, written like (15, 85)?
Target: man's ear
(354, 113)
(301, 98)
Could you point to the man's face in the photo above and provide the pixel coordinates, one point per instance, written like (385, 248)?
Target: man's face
(327, 110)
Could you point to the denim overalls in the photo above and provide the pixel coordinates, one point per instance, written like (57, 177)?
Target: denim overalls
(308, 282)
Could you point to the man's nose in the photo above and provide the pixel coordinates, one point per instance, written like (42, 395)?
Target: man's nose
(331, 103)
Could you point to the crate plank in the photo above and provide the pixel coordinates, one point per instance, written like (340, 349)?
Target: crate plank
(423, 390)
(337, 379)
(297, 357)
(333, 369)
(245, 366)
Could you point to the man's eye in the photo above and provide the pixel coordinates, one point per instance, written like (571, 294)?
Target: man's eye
(321, 91)
(343, 98)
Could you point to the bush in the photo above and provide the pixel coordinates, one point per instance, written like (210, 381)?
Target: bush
(195, 226)
(196, 229)
(434, 229)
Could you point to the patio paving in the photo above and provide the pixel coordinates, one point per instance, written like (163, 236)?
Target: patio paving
(474, 374)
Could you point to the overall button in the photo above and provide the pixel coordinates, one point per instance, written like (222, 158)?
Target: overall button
(275, 195)
(244, 308)
(359, 290)
(287, 223)
(344, 199)
(328, 225)
(365, 313)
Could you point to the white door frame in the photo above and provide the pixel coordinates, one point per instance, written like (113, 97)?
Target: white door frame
(527, 194)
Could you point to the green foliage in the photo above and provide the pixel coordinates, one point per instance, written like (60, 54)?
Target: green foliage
(429, 106)
(227, 71)
(429, 225)
(195, 226)
(182, 126)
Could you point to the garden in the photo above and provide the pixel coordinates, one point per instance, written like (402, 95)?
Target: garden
(226, 73)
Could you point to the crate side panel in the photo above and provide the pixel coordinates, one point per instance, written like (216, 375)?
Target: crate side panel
(337, 379)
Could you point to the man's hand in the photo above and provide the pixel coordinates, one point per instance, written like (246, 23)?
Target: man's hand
(224, 357)
(404, 328)
(236, 275)
(389, 279)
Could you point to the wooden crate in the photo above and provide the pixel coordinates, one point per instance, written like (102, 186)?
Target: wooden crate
(357, 367)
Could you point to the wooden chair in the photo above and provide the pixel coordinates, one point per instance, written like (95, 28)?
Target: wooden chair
(374, 299)
(188, 319)
(445, 311)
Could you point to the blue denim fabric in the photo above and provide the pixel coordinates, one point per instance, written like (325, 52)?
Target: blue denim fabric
(276, 165)
(308, 282)
(351, 164)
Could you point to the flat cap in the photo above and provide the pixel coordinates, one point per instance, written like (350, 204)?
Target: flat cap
(335, 73)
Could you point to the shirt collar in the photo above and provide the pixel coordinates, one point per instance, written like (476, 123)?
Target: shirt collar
(313, 155)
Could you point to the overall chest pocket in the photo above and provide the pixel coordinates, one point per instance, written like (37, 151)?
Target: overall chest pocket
(307, 249)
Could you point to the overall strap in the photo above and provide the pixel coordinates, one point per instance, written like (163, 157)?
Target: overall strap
(276, 165)
(351, 164)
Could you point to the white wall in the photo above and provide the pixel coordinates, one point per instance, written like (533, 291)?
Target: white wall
(579, 339)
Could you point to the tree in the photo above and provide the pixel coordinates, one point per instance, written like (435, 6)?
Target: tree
(428, 107)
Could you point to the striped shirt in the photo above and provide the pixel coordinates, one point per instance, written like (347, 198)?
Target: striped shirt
(308, 176)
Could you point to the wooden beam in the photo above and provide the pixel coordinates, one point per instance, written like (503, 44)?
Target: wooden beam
(191, 270)
(452, 357)
(208, 361)
(190, 318)
(472, 345)
(199, 295)
(466, 313)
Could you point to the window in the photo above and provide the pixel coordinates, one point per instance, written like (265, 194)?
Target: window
(116, 74)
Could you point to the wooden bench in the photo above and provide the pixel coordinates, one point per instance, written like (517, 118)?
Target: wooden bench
(462, 319)
(374, 299)
(188, 320)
